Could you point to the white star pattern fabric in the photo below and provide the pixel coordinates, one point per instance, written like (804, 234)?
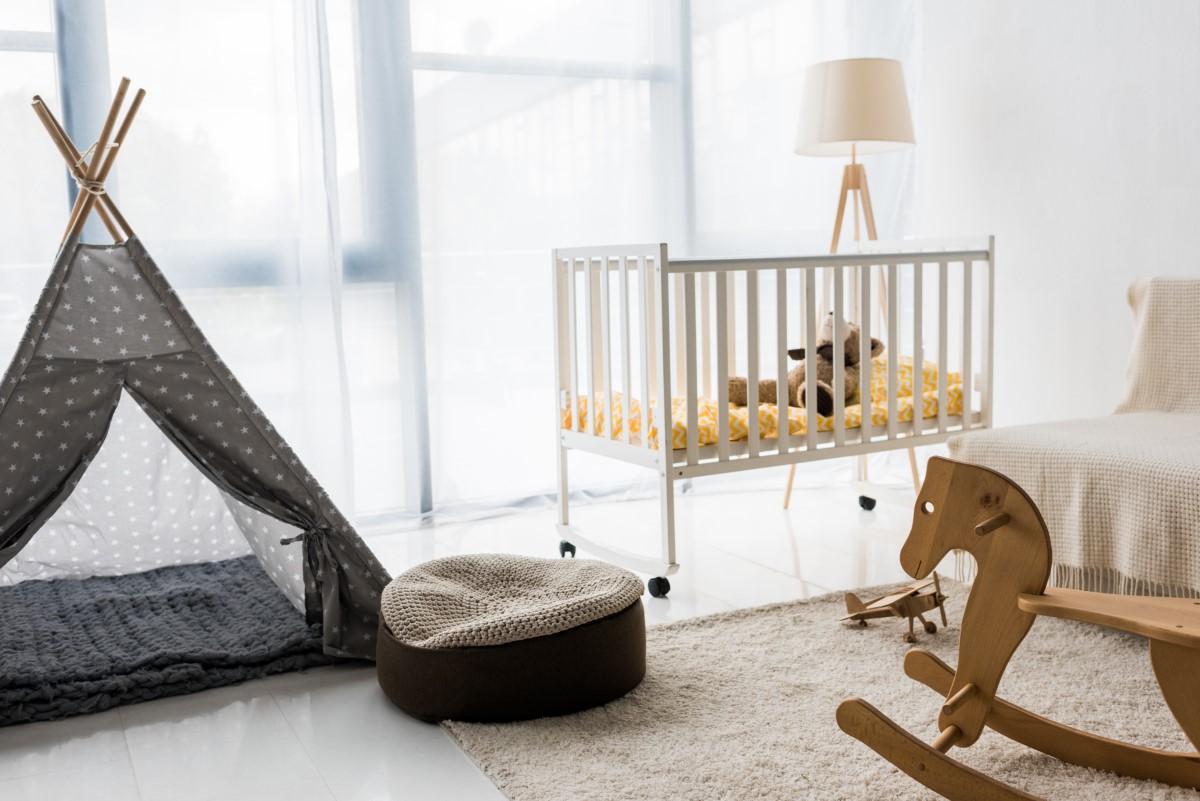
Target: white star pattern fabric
(108, 321)
(141, 505)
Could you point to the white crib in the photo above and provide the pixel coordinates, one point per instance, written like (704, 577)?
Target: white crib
(634, 328)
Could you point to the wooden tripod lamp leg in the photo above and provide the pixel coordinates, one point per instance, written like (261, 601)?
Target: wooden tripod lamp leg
(847, 180)
(854, 181)
(864, 192)
(868, 212)
(787, 493)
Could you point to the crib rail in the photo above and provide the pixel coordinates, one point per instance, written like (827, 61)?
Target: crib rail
(632, 325)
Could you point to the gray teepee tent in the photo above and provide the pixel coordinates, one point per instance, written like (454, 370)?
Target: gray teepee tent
(109, 323)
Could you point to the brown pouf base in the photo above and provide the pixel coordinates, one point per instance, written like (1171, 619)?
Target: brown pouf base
(555, 674)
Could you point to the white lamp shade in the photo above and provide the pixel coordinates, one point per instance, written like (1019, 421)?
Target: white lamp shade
(856, 101)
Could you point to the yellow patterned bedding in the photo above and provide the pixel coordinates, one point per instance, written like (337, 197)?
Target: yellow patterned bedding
(768, 413)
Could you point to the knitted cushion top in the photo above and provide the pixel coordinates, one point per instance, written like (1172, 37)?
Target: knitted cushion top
(492, 599)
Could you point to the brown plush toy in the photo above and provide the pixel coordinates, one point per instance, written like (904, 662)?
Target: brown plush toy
(797, 389)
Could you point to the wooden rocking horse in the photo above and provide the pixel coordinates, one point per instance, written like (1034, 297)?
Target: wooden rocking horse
(978, 510)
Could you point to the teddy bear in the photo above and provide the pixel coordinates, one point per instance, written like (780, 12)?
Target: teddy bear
(797, 386)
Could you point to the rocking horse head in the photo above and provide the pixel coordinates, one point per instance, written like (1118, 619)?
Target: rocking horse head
(967, 507)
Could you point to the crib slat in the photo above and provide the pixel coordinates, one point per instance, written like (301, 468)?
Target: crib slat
(867, 370)
(680, 364)
(591, 321)
(723, 337)
(943, 342)
(918, 371)
(662, 302)
(706, 280)
(810, 358)
(839, 357)
(782, 400)
(573, 347)
(561, 380)
(693, 415)
(893, 344)
(967, 378)
(730, 324)
(752, 362)
(605, 347)
(649, 355)
(626, 374)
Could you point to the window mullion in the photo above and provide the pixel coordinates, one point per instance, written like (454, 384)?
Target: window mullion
(84, 83)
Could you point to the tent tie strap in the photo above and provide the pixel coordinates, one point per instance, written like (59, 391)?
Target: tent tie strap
(306, 533)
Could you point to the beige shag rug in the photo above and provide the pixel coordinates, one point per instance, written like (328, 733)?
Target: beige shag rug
(741, 706)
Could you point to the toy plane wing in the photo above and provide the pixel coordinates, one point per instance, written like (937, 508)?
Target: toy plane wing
(884, 606)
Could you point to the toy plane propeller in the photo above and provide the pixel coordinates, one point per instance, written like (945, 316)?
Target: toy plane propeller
(911, 603)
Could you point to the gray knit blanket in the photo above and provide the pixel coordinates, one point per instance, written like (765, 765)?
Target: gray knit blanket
(69, 647)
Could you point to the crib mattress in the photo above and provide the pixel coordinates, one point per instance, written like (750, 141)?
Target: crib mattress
(768, 413)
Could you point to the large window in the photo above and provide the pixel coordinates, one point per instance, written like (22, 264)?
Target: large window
(282, 178)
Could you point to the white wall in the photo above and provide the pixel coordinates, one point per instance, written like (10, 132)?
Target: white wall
(1071, 130)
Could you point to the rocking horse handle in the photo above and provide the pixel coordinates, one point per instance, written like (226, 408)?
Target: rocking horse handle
(993, 523)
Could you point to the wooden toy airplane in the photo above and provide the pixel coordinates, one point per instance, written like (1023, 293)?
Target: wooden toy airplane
(911, 603)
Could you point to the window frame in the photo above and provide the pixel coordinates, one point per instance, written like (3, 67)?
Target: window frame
(386, 69)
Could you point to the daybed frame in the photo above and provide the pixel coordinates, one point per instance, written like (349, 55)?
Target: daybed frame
(672, 330)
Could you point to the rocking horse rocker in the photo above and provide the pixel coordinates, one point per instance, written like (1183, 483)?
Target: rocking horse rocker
(978, 510)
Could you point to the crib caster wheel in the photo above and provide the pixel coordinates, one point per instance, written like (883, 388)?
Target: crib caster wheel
(930, 627)
(862, 624)
(658, 587)
(909, 638)
(565, 548)
(866, 503)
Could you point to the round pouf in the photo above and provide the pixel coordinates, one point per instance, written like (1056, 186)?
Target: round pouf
(494, 637)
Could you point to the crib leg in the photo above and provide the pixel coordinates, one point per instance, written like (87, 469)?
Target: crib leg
(564, 515)
(912, 462)
(667, 504)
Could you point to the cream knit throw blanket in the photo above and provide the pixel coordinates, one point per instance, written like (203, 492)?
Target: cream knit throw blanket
(492, 599)
(1164, 363)
(1121, 494)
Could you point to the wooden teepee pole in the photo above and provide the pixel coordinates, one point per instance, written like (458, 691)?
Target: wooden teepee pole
(91, 174)
(87, 195)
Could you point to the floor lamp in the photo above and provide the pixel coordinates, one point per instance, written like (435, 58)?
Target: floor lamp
(855, 107)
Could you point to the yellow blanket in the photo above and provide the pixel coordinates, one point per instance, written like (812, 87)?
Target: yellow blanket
(768, 413)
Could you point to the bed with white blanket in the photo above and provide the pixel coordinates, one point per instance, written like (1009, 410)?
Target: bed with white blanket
(1121, 494)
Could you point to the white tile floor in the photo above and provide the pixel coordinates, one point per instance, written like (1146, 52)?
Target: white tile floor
(331, 734)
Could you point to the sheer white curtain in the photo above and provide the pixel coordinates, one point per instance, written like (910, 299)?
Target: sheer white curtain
(514, 163)
(252, 175)
(229, 178)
